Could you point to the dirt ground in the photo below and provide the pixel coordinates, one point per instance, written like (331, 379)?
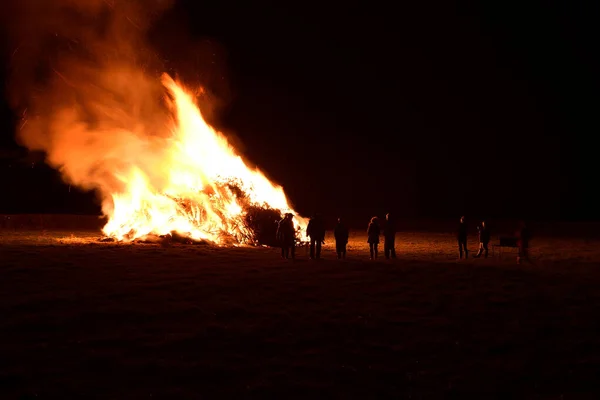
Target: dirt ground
(80, 318)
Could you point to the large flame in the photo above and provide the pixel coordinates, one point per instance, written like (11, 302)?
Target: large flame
(205, 187)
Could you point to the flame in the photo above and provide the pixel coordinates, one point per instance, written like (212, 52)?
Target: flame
(204, 187)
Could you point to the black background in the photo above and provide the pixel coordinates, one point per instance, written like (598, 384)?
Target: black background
(433, 109)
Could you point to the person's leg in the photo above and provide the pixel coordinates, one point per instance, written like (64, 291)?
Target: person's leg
(386, 248)
(282, 251)
(485, 249)
(460, 249)
(465, 249)
(375, 249)
(319, 243)
(393, 247)
(344, 250)
(479, 251)
(371, 246)
(312, 248)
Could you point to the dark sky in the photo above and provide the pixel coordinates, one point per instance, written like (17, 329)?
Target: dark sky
(428, 109)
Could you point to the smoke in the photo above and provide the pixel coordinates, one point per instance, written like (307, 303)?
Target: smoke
(87, 85)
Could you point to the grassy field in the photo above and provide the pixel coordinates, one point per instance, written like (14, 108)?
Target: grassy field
(80, 318)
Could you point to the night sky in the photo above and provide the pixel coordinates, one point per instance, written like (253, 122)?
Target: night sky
(434, 109)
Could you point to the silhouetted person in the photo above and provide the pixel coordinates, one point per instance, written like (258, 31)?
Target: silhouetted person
(316, 231)
(484, 239)
(341, 234)
(461, 236)
(389, 237)
(373, 233)
(286, 235)
(523, 238)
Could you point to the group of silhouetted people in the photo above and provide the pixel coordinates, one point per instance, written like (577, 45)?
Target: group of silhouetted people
(522, 236)
(484, 239)
(389, 237)
(315, 232)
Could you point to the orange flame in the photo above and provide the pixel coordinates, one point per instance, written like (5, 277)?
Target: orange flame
(194, 196)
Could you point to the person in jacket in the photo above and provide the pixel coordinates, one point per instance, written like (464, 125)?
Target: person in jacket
(286, 235)
(316, 232)
(484, 239)
(389, 237)
(341, 234)
(523, 237)
(373, 232)
(461, 236)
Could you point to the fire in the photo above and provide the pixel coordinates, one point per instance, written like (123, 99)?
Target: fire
(204, 190)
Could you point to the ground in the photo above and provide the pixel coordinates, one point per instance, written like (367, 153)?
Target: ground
(80, 318)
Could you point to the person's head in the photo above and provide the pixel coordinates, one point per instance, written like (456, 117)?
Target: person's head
(483, 224)
(289, 215)
(374, 220)
(462, 219)
(339, 220)
(387, 216)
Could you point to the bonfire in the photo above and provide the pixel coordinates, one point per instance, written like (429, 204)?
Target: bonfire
(209, 193)
(110, 124)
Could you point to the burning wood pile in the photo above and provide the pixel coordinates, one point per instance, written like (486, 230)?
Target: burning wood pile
(187, 185)
(256, 225)
(109, 123)
(193, 182)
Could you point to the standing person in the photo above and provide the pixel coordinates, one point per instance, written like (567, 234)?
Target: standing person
(316, 231)
(373, 233)
(461, 236)
(484, 239)
(523, 237)
(341, 234)
(286, 235)
(389, 237)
